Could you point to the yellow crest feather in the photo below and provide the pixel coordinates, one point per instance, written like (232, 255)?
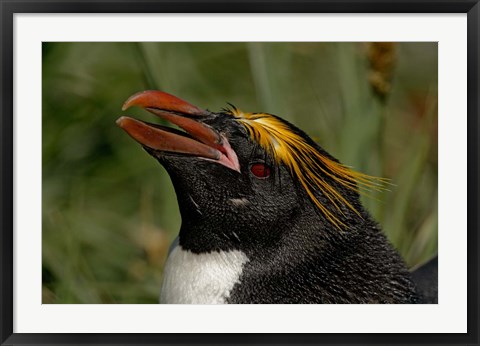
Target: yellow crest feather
(305, 162)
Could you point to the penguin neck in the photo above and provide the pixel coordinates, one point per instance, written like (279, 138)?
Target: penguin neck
(200, 236)
(303, 228)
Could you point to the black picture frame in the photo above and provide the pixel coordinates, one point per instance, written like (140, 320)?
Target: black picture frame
(9, 8)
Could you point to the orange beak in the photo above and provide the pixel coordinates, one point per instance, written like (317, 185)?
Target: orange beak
(199, 140)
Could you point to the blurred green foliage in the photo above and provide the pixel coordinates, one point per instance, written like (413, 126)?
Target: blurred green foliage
(109, 209)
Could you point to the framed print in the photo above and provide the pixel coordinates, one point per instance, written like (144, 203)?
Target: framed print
(270, 172)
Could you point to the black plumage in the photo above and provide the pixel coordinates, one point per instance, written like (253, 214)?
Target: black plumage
(425, 278)
(306, 242)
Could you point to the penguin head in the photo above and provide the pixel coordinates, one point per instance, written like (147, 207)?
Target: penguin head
(242, 178)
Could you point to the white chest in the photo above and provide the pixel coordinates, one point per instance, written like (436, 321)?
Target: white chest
(200, 278)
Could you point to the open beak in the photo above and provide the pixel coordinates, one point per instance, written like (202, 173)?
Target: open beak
(198, 140)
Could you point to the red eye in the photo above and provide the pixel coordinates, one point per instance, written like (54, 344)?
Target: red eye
(260, 170)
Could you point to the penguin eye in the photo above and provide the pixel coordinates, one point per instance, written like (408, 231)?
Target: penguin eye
(260, 170)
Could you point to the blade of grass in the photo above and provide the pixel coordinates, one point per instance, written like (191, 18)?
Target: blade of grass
(270, 69)
(361, 130)
(407, 182)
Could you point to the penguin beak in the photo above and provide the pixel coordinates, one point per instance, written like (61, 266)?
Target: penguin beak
(198, 140)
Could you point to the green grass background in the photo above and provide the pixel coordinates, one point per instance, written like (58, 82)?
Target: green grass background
(109, 209)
